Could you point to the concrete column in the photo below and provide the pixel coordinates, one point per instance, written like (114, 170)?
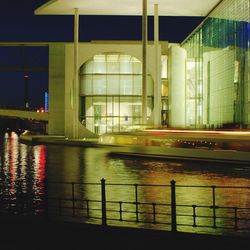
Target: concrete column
(177, 86)
(76, 76)
(57, 119)
(144, 61)
(157, 83)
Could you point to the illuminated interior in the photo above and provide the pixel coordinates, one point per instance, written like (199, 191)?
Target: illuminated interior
(111, 93)
(217, 69)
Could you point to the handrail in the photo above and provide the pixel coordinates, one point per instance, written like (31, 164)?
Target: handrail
(171, 214)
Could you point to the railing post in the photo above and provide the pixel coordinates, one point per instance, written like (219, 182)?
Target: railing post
(214, 207)
(154, 213)
(136, 203)
(87, 204)
(73, 198)
(173, 206)
(194, 215)
(120, 210)
(104, 211)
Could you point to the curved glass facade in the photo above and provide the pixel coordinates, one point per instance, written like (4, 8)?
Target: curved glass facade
(218, 75)
(111, 93)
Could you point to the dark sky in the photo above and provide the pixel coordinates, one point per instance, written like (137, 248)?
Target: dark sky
(19, 24)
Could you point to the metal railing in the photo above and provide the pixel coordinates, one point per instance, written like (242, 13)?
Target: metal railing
(130, 205)
(172, 215)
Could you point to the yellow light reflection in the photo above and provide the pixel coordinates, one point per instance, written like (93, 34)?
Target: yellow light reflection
(199, 131)
(39, 160)
(14, 154)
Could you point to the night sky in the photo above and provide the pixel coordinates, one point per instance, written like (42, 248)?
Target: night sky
(19, 24)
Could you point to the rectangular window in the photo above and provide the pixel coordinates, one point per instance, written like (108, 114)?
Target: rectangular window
(126, 66)
(126, 106)
(116, 106)
(99, 85)
(126, 85)
(112, 64)
(86, 84)
(112, 84)
(89, 106)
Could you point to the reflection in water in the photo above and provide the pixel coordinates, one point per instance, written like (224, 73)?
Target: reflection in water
(22, 175)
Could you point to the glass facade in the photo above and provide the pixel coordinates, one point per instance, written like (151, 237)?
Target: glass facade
(217, 69)
(164, 91)
(111, 93)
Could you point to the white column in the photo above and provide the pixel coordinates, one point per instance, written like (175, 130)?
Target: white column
(76, 76)
(157, 83)
(144, 62)
(57, 108)
(177, 91)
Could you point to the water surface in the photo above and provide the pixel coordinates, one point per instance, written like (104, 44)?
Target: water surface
(23, 169)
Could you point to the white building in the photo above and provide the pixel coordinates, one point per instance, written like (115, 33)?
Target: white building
(112, 86)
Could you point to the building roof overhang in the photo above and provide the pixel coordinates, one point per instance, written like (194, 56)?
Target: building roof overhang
(127, 7)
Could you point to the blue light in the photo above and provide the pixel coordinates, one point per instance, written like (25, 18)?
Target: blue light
(46, 102)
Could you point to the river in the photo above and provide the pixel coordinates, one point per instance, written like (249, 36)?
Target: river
(23, 169)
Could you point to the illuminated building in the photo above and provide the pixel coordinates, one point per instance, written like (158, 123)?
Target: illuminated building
(113, 86)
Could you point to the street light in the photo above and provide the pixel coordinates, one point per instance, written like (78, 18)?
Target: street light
(26, 102)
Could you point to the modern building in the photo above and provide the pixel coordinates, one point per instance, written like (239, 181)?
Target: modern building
(112, 86)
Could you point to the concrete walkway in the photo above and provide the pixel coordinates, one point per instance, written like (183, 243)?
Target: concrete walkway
(230, 155)
(27, 234)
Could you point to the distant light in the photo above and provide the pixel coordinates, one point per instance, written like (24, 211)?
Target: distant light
(40, 110)
(46, 102)
(26, 76)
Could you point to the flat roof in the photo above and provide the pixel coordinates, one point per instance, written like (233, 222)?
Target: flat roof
(127, 7)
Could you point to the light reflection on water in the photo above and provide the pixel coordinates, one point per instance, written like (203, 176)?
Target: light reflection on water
(22, 173)
(23, 168)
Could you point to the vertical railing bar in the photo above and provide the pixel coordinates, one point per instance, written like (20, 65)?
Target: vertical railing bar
(154, 212)
(173, 206)
(120, 210)
(214, 207)
(194, 215)
(87, 205)
(104, 211)
(136, 203)
(73, 198)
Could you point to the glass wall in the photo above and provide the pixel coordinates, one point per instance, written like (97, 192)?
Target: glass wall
(164, 91)
(218, 76)
(111, 93)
